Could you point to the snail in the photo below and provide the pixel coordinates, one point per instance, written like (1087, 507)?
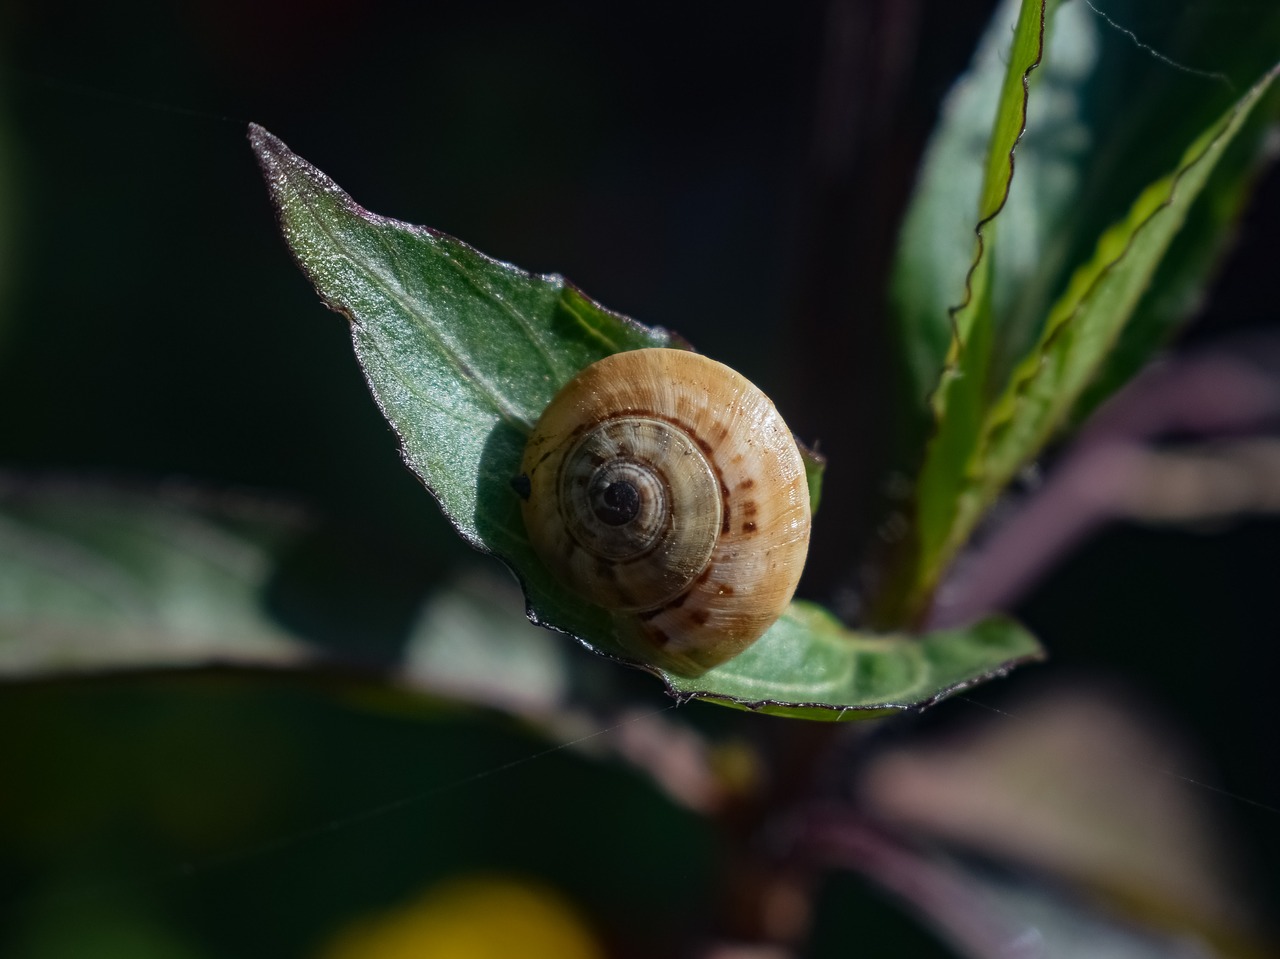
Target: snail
(664, 487)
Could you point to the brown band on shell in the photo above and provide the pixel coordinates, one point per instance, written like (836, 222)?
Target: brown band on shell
(759, 491)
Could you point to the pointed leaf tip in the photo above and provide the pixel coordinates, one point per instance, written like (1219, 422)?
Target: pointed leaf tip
(463, 353)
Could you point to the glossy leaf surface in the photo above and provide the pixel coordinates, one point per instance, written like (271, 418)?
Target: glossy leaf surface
(462, 352)
(956, 306)
(1038, 216)
(1085, 323)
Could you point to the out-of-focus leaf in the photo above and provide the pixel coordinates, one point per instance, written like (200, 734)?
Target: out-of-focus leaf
(94, 580)
(1082, 788)
(1059, 925)
(474, 636)
(462, 352)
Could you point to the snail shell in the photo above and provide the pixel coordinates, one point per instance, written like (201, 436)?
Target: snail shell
(665, 487)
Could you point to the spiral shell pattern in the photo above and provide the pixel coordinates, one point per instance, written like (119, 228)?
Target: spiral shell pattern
(665, 487)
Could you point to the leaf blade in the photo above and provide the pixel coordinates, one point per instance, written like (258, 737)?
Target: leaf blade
(466, 445)
(1086, 321)
(1078, 140)
(957, 401)
(839, 674)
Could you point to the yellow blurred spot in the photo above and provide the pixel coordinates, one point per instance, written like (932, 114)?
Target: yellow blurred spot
(737, 766)
(472, 918)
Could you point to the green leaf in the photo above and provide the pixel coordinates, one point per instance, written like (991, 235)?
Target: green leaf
(815, 466)
(1104, 119)
(1075, 170)
(959, 400)
(1084, 324)
(94, 581)
(462, 352)
(809, 665)
(963, 181)
(964, 310)
(99, 580)
(1180, 280)
(1123, 143)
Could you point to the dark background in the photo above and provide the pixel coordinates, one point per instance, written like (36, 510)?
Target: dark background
(732, 174)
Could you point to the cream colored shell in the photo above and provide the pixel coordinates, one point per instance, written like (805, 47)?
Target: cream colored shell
(665, 487)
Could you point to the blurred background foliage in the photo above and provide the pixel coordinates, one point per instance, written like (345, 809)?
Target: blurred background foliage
(732, 174)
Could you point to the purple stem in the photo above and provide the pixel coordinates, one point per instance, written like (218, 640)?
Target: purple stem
(956, 909)
(1214, 393)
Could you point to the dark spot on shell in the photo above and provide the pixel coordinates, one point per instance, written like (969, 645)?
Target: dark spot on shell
(659, 638)
(749, 508)
(699, 617)
(748, 527)
(676, 603)
(747, 483)
(542, 459)
(522, 486)
(724, 589)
